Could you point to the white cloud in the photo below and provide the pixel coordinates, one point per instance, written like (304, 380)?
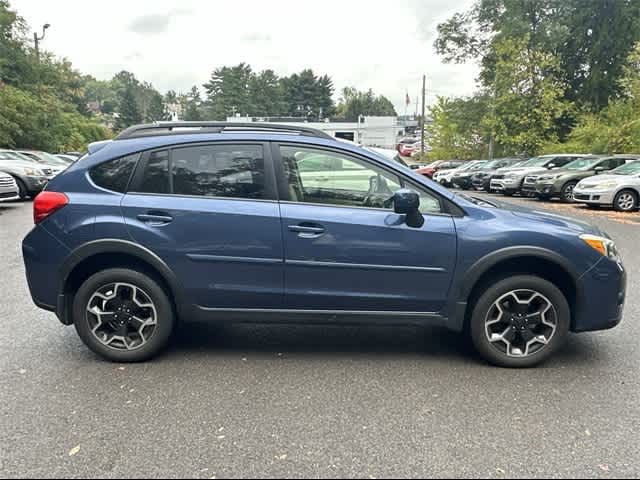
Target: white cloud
(384, 45)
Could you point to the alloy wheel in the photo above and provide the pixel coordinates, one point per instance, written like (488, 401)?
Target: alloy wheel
(626, 201)
(521, 323)
(122, 316)
(568, 192)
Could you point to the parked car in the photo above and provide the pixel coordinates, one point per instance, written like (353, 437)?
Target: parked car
(390, 154)
(445, 177)
(168, 223)
(407, 149)
(462, 178)
(8, 188)
(30, 176)
(561, 183)
(620, 189)
(406, 141)
(434, 167)
(52, 162)
(481, 180)
(511, 181)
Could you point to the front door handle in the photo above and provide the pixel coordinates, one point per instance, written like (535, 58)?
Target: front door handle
(307, 230)
(155, 219)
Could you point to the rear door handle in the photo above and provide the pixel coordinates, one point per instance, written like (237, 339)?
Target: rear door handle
(155, 219)
(307, 231)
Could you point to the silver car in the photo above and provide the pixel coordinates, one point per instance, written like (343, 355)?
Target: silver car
(620, 189)
(8, 188)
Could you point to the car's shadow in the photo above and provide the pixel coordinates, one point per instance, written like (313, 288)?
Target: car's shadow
(434, 343)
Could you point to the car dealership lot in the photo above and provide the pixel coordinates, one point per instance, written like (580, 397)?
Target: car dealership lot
(314, 401)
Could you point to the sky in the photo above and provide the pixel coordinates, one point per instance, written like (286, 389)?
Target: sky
(384, 45)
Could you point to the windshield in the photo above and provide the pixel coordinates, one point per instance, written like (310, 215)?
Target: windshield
(582, 164)
(16, 156)
(631, 168)
(536, 162)
(50, 159)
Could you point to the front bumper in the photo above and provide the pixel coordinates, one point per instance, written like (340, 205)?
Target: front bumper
(594, 197)
(462, 182)
(503, 184)
(601, 297)
(548, 189)
(35, 184)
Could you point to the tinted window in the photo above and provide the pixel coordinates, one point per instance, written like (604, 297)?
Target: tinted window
(156, 174)
(336, 179)
(219, 171)
(115, 174)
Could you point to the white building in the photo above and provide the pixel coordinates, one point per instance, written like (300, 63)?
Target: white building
(380, 132)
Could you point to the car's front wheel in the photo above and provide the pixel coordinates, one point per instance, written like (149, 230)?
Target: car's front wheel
(520, 322)
(626, 201)
(123, 315)
(567, 192)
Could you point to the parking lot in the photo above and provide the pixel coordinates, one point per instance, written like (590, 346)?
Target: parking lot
(248, 401)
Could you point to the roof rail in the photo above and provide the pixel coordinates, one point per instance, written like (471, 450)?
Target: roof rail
(182, 128)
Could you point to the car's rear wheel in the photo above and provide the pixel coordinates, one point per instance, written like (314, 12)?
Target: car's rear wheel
(626, 201)
(520, 322)
(123, 315)
(567, 192)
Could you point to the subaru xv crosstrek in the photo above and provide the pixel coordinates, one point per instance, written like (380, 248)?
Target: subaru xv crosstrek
(176, 222)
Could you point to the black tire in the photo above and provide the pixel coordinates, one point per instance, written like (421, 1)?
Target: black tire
(484, 304)
(22, 188)
(165, 315)
(508, 193)
(544, 198)
(626, 206)
(566, 194)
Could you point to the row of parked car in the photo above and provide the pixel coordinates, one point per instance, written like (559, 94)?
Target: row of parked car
(24, 173)
(611, 181)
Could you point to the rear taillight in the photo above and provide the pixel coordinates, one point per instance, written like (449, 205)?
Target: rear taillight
(47, 203)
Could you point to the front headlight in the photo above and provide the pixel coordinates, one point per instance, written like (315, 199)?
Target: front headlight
(510, 176)
(602, 245)
(33, 172)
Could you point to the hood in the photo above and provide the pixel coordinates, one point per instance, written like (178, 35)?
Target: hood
(548, 218)
(604, 178)
(525, 170)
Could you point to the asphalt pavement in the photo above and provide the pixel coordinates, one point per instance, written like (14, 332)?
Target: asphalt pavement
(261, 401)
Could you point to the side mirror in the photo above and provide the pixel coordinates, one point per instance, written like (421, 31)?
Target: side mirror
(415, 167)
(598, 170)
(407, 202)
(551, 166)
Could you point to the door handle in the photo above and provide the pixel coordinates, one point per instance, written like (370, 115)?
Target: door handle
(307, 231)
(153, 219)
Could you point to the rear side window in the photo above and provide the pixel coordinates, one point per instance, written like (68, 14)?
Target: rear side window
(235, 171)
(114, 175)
(156, 174)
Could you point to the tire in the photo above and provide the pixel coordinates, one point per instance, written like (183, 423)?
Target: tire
(566, 194)
(508, 193)
(22, 188)
(496, 352)
(149, 292)
(544, 198)
(626, 201)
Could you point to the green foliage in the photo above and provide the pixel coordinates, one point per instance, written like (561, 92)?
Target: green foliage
(355, 103)
(458, 129)
(129, 114)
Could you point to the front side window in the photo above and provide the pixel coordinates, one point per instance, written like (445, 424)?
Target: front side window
(235, 171)
(317, 176)
(114, 175)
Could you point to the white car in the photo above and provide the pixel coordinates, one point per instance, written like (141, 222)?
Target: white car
(620, 189)
(445, 177)
(8, 188)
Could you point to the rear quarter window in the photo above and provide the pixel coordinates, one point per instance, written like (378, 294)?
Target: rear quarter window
(115, 174)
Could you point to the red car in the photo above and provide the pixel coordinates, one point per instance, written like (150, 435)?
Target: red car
(406, 148)
(432, 168)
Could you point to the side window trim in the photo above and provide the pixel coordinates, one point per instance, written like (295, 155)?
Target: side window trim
(271, 191)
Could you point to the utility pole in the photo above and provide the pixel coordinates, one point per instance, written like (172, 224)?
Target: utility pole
(37, 40)
(424, 98)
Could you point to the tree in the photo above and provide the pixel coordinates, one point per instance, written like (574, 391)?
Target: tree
(228, 91)
(307, 95)
(266, 95)
(192, 111)
(355, 103)
(129, 114)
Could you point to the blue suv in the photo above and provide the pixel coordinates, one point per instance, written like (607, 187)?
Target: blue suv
(204, 221)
